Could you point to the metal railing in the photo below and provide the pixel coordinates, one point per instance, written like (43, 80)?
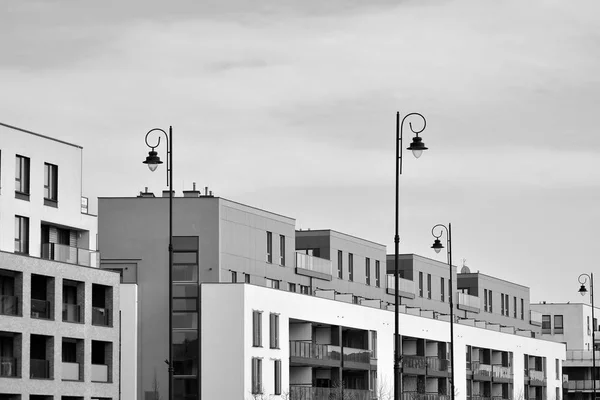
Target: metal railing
(405, 285)
(535, 317)
(70, 254)
(312, 263)
(537, 375)
(581, 355)
(314, 351)
(39, 369)
(8, 366)
(480, 397)
(498, 371)
(71, 312)
(423, 396)
(9, 305)
(481, 369)
(100, 316)
(356, 355)
(468, 300)
(40, 309)
(437, 364)
(581, 385)
(415, 362)
(299, 392)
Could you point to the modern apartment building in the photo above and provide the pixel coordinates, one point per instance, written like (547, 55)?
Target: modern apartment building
(572, 325)
(325, 299)
(59, 319)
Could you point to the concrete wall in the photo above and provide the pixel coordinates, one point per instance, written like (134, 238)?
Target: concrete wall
(129, 340)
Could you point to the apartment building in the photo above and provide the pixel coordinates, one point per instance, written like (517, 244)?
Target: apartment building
(59, 319)
(218, 241)
(572, 324)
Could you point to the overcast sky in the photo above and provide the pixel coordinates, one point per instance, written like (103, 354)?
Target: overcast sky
(289, 105)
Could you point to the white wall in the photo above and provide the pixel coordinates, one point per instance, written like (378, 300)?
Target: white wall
(129, 334)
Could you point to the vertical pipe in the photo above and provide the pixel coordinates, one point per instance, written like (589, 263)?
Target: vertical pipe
(170, 154)
(593, 336)
(451, 313)
(396, 270)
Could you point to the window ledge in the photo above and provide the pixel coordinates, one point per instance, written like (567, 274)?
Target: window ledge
(21, 195)
(50, 203)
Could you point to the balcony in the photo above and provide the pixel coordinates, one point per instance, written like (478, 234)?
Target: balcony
(537, 378)
(437, 367)
(8, 367)
(481, 372)
(356, 358)
(314, 354)
(313, 266)
(69, 254)
(406, 288)
(581, 386)
(39, 369)
(99, 373)
(40, 309)
(468, 303)
(71, 313)
(70, 371)
(423, 396)
(580, 358)
(502, 374)
(298, 392)
(535, 318)
(100, 316)
(9, 305)
(414, 365)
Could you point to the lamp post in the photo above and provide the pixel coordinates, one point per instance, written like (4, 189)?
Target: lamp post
(417, 146)
(153, 161)
(583, 278)
(437, 246)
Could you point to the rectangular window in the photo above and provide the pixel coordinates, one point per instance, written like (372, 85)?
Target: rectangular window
(557, 369)
(247, 278)
(304, 289)
(350, 267)
(514, 306)
(257, 328)
(272, 283)
(185, 266)
(256, 375)
(282, 250)
(558, 324)
(588, 326)
(449, 291)
(420, 284)
(22, 176)
(340, 264)
(501, 303)
(485, 300)
(377, 274)
(277, 377)
(490, 302)
(50, 183)
(368, 270)
(443, 289)
(269, 247)
(507, 304)
(546, 324)
(522, 309)
(274, 331)
(429, 286)
(292, 287)
(233, 276)
(21, 234)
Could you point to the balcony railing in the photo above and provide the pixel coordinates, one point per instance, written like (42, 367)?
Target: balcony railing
(480, 397)
(8, 366)
(69, 254)
(437, 364)
(314, 351)
(535, 317)
(100, 316)
(39, 369)
(537, 375)
(581, 355)
(468, 302)
(414, 362)
(99, 373)
(40, 309)
(71, 312)
(298, 392)
(498, 371)
(9, 305)
(481, 369)
(356, 355)
(70, 371)
(580, 386)
(405, 285)
(311, 263)
(423, 396)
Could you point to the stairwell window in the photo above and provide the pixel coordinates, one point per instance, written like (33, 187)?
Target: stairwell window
(256, 375)
(50, 185)
(256, 328)
(21, 234)
(22, 177)
(274, 331)
(269, 247)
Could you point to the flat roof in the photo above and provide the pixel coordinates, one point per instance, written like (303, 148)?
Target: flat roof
(340, 233)
(40, 135)
(494, 278)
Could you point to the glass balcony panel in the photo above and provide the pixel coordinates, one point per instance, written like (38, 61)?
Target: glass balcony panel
(40, 309)
(69, 254)
(405, 285)
(502, 372)
(416, 362)
(70, 371)
(468, 300)
(437, 364)
(183, 320)
(39, 369)
(9, 305)
(301, 392)
(99, 373)
(312, 263)
(100, 316)
(8, 366)
(71, 313)
(314, 351)
(535, 317)
(356, 355)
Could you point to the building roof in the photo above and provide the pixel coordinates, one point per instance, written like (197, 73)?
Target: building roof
(40, 135)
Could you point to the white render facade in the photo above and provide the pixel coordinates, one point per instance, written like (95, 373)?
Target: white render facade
(229, 350)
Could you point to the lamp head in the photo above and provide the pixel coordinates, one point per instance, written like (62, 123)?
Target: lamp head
(417, 146)
(582, 290)
(437, 245)
(153, 160)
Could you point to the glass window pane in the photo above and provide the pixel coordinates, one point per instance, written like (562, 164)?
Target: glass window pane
(185, 273)
(184, 258)
(185, 353)
(185, 388)
(185, 243)
(185, 320)
(184, 305)
(185, 290)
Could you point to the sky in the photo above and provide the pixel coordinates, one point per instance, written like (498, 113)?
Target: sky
(290, 106)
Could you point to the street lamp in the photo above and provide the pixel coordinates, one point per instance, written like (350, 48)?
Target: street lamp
(438, 246)
(153, 161)
(417, 147)
(583, 278)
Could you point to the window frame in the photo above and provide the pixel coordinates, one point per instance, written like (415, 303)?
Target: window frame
(256, 328)
(50, 184)
(22, 177)
(559, 328)
(22, 240)
(368, 271)
(282, 250)
(340, 264)
(443, 289)
(377, 274)
(351, 267)
(274, 331)
(429, 286)
(277, 377)
(421, 284)
(256, 375)
(270, 247)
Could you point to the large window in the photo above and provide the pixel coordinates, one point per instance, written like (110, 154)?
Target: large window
(256, 375)
(443, 289)
(420, 284)
(558, 324)
(22, 177)
(340, 264)
(257, 328)
(274, 331)
(350, 267)
(546, 324)
(21, 234)
(282, 250)
(269, 247)
(50, 184)
(377, 274)
(368, 270)
(277, 377)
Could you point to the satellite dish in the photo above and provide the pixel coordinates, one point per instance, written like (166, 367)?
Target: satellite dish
(465, 270)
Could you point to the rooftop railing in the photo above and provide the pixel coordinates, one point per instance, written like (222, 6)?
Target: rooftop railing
(468, 300)
(581, 385)
(312, 263)
(535, 317)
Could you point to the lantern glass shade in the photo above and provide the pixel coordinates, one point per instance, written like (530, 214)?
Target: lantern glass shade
(437, 245)
(153, 160)
(152, 167)
(582, 290)
(417, 153)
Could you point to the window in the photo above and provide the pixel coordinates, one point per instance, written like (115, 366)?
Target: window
(21, 234)
(282, 250)
(420, 284)
(514, 306)
(429, 286)
(274, 331)
(485, 300)
(257, 328)
(233, 276)
(557, 369)
(449, 290)
(277, 377)
(247, 278)
(522, 309)
(304, 289)
(22, 178)
(546, 324)
(588, 325)
(50, 184)
(558, 324)
(490, 302)
(340, 265)
(502, 303)
(269, 247)
(354, 299)
(368, 270)
(374, 344)
(350, 267)
(185, 266)
(256, 375)
(377, 274)
(292, 287)
(443, 289)
(272, 283)
(507, 304)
